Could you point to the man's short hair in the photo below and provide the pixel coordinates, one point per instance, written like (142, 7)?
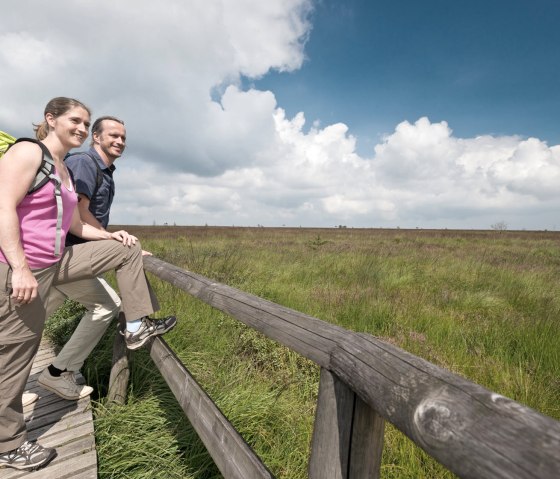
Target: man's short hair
(98, 124)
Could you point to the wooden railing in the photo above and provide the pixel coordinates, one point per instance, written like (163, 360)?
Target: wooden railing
(364, 382)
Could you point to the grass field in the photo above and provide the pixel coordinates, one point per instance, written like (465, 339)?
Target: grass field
(483, 304)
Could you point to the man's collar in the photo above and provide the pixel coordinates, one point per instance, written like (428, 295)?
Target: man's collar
(93, 152)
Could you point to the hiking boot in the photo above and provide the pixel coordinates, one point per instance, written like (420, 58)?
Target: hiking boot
(148, 329)
(65, 385)
(28, 398)
(29, 455)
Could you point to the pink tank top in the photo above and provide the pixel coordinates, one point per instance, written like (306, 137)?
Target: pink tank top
(37, 218)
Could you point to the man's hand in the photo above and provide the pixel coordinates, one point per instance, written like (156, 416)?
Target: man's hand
(124, 237)
(24, 286)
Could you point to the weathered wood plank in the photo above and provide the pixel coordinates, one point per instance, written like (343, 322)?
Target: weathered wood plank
(464, 426)
(65, 425)
(332, 432)
(348, 435)
(368, 434)
(41, 363)
(120, 372)
(75, 460)
(233, 456)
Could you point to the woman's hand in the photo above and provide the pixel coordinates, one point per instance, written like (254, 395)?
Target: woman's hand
(126, 238)
(24, 286)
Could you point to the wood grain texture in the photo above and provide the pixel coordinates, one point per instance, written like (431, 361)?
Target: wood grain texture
(348, 435)
(120, 372)
(65, 425)
(474, 432)
(232, 455)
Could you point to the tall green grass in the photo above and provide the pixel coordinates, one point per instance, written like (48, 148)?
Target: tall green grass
(482, 304)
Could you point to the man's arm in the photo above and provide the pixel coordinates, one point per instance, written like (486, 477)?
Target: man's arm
(85, 214)
(84, 230)
(85, 175)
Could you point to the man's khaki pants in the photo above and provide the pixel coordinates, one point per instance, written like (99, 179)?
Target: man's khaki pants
(102, 304)
(21, 327)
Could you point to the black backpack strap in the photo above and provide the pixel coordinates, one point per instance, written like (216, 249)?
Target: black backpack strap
(45, 169)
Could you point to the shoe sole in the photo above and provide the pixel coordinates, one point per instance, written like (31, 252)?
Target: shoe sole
(59, 394)
(134, 346)
(31, 467)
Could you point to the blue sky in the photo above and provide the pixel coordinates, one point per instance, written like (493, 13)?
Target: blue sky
(485, 67)
(429, 114)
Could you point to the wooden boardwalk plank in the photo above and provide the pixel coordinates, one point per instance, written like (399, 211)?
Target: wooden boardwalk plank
(64, 425)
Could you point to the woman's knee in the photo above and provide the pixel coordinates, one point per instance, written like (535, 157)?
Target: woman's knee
(135, 249)
(126, 253)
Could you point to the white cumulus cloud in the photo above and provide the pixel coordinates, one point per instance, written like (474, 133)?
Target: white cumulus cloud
(205, 149)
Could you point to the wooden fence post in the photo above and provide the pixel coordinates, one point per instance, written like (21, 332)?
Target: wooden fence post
(118, 380)
(348, 435)
(462, 425)
(232, 455)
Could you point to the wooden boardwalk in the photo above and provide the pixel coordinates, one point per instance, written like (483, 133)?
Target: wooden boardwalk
(64, 425)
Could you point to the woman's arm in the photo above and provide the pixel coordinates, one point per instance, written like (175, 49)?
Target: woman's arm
(18, 167)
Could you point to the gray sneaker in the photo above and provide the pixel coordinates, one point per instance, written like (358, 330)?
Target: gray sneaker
(29, 455)
(64, 386)
(148, 329)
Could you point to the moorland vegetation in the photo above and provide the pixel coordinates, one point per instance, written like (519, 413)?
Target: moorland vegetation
(482, 304)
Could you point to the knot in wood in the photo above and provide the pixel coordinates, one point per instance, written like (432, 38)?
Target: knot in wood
(436, 420)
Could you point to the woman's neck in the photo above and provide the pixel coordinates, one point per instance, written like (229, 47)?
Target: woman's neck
(57, 150)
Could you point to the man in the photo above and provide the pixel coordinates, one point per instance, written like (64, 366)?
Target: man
(93, 176)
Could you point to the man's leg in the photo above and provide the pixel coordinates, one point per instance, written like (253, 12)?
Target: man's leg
(91, 259)
(102, 304)
(97, 257)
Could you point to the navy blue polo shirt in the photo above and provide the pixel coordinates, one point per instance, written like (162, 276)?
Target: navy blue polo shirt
(84, 171)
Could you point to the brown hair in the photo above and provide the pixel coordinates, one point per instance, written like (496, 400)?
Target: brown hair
(56, 107)
(97, 127)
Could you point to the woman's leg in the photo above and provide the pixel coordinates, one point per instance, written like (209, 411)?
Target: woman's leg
(138, 301)
(91, 259)
(21, 328)
(16, 360)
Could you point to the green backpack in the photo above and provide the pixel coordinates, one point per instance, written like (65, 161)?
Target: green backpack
(45, 173)
(5, 141)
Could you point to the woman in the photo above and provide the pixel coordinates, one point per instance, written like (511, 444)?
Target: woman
(29, 266)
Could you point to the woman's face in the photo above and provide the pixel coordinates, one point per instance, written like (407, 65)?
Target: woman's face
(72, 127)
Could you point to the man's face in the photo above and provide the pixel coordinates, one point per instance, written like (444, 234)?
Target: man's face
(112, 139)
